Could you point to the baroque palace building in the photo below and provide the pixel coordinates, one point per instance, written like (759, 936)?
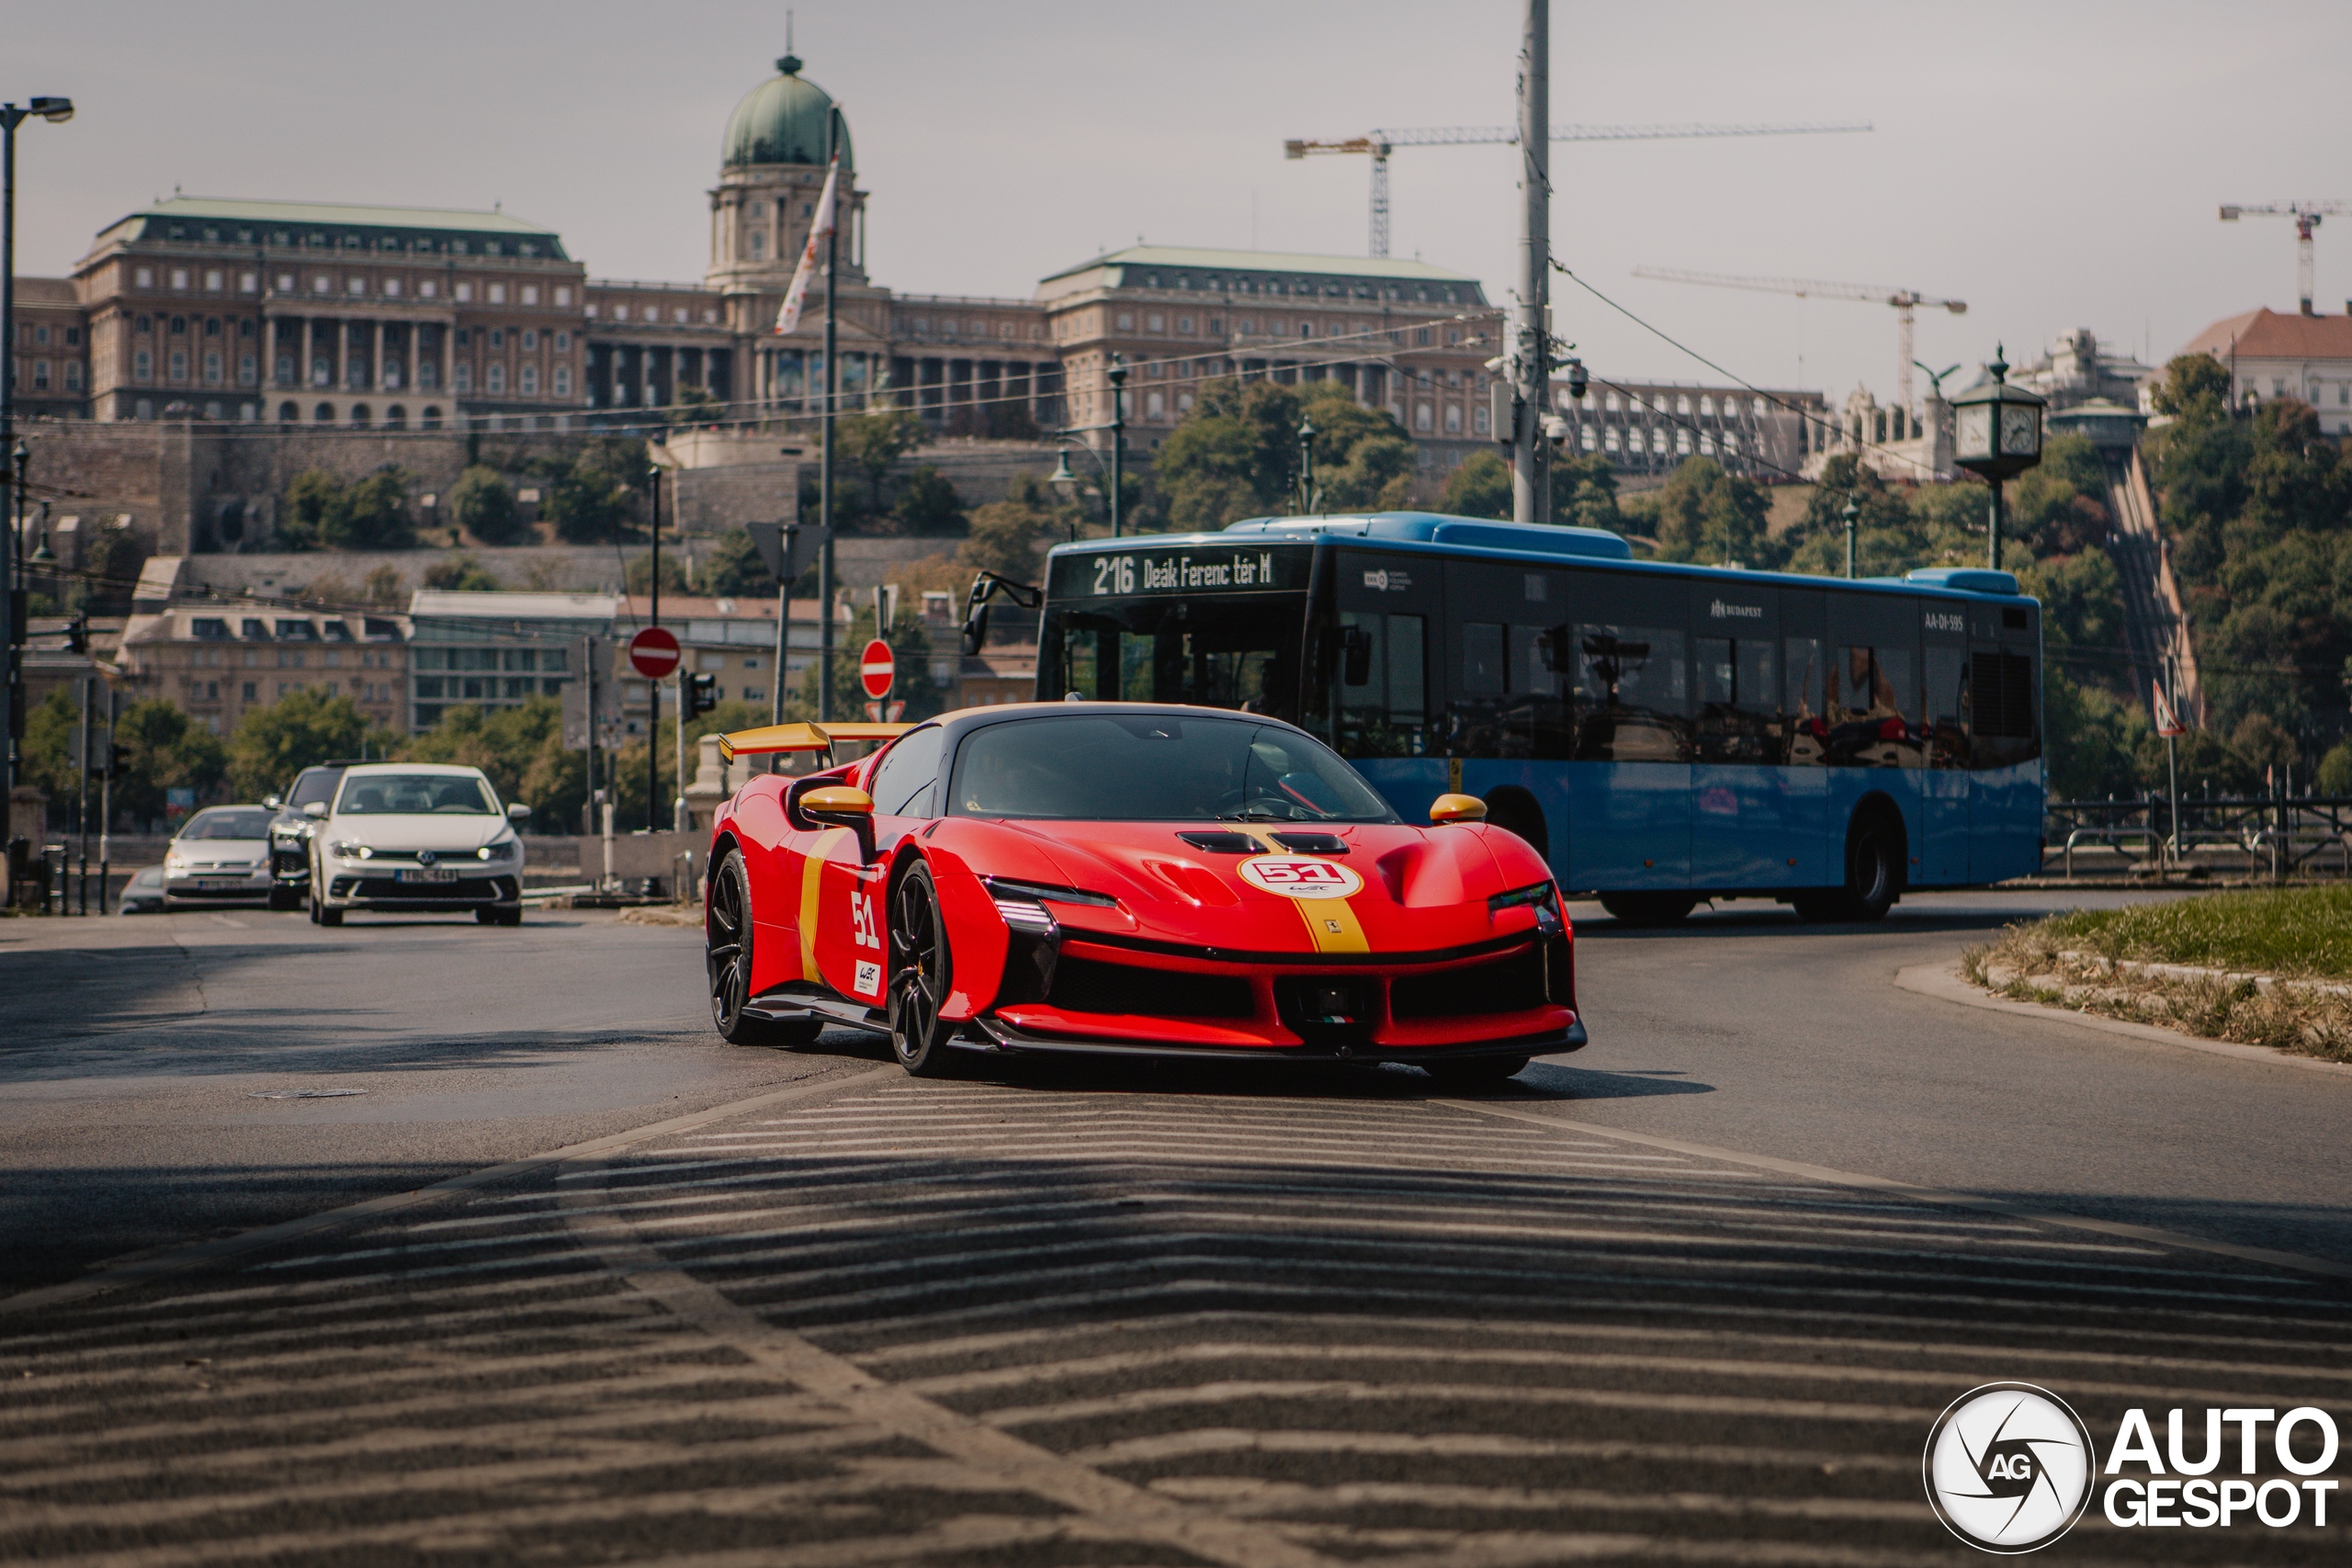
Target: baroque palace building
(326, 316)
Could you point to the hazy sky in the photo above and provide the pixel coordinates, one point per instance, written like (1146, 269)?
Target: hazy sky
(2053, 164)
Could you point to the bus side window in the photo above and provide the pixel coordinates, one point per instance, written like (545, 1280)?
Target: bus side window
(1804, 724)
(1482, 659)
(1947, 707)
(1383, 714)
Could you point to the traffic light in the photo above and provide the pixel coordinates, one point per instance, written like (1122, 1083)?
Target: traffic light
(701, 694)
(77, 633)
(118, 760)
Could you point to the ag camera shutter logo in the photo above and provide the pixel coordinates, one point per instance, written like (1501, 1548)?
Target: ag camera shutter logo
(2008, 1468)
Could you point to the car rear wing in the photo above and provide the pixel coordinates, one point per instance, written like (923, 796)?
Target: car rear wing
(773, 738)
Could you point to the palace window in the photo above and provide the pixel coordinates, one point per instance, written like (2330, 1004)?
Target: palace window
(530, 294)
(143, 365)
(72, 375)
(40, 375)
(392, 289)
(427, 288)
(465, 376)
(493, 378)
(247, 370)
(563, 380)
(213, 280)
(179, 326)
(143, 278)
(179, 278)
(498, 338)
(464, 293)
(355, 287)
(530, 339)
(530, 376)
(563, 296)
(248, 283)
(212, 369)
(498, 294)
(563, 342)
(179, 365)
(212, 326)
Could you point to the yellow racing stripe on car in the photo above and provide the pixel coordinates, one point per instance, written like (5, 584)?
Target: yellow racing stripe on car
(1331, 924)
(812, 870)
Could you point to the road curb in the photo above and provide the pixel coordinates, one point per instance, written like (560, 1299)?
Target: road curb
(1943, 982)
(140, 1272)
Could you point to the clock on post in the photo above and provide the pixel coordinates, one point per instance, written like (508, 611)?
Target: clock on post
(1996, 433)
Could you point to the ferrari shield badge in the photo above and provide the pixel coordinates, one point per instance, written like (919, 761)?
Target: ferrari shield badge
(1300, 876)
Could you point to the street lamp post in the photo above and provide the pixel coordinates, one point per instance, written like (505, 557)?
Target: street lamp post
(57, 111)
(1118, 375)
(1852, 514)
(1305, 466)
(1996, 433)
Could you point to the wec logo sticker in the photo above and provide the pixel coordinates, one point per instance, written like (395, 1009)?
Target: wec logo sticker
(1300, 876)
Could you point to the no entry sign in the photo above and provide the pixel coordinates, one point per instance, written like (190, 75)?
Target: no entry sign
(876, 667)
(653, 652)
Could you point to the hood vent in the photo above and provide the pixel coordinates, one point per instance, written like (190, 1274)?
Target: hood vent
(1222, 843)
(1312, 843)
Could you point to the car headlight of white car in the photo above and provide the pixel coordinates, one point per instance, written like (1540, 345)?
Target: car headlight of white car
(344, 849)
(174, 861)
(497, 848)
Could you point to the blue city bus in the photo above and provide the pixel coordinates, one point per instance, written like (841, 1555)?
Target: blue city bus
(1663, 734)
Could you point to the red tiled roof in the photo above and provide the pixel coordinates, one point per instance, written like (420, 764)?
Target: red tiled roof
(2267, 334)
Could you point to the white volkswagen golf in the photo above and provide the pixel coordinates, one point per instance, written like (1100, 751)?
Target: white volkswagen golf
(421, 838)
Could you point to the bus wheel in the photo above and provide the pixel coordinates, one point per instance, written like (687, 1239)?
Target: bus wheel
(1874, 875)
(1649, 908)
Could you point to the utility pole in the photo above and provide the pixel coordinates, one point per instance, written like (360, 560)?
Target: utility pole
(81, 789)
(825, 438)
(105, 794)
(654, 687)
(1118, 375)
(1530, 486)
(588, 656)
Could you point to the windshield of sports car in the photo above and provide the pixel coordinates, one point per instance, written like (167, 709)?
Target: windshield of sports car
(1145, 768)
(229, 822)
(415, 795)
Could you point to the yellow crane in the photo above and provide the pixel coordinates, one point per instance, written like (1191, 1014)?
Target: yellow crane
(1378, 144)
(1904, 301)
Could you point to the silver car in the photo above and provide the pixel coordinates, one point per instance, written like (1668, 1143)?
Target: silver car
(221, 855)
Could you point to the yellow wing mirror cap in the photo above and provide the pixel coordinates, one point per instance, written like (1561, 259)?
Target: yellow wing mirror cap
(1457, 808)
(773, 738)
(837, 800)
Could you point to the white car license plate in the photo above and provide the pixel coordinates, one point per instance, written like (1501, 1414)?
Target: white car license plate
(218, 884)
(428, 873)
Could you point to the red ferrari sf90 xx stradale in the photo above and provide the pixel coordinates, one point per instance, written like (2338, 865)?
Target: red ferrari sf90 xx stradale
(1127, 878)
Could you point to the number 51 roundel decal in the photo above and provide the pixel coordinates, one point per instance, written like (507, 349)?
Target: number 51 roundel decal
(1297, 876)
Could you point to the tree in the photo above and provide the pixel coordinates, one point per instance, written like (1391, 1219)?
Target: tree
(520, 749)
(1706, 514)
(2194, 389)
(461, 573)
(1364, 460)
(2091, 738)
(1480, 487)
(731, 568)
(271, 744)
(164, 749)
(384, 587)
(592, 496)
(2060, 508)
(1005, 532)
(301, 518)
(1584, 492)
(640, 576)
(1236, 454)
(928, 502)
(484, 506)
(2081, 602)
(2335, 775)
(872, 442)
(371, 513)
(695, 405)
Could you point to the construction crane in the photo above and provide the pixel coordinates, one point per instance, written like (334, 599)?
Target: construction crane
(1905, 301)
(1378, 144)
(2306, 215)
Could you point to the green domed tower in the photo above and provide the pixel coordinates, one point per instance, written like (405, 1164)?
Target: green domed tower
(772, 169)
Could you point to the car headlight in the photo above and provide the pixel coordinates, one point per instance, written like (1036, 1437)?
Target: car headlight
(343, 850)
(1542, 896)
(174, 861)
(497, 848)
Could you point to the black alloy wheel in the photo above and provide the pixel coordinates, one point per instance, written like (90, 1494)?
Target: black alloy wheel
(727, 958)
(922, 970)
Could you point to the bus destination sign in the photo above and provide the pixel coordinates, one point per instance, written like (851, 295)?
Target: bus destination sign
(1123, 574)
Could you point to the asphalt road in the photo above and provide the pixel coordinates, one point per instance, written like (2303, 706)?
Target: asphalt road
(1655, 1301)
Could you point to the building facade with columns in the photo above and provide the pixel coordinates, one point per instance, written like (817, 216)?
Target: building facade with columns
(318, 315)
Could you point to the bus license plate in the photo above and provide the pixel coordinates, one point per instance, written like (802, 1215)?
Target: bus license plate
(428, 873)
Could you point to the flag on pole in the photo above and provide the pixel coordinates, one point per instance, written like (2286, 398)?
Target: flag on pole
(820, 231)
(2167, 722)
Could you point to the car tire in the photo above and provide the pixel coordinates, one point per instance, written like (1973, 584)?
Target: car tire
(727, 936)
(1475, 1070)
(330, 917)
(509, 917)
(1649, 909)
(284, 898)
(485, 917)
(922, 971)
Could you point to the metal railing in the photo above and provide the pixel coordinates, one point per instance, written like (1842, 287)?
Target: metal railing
(2275, 835)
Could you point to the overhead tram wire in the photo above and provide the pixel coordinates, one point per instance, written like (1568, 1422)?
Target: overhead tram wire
(1803, 413)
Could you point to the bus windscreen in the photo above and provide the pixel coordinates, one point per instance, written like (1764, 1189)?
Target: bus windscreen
(1216, 651)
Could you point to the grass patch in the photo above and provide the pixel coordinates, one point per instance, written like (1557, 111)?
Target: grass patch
(2298, 933)
(2301, 934)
